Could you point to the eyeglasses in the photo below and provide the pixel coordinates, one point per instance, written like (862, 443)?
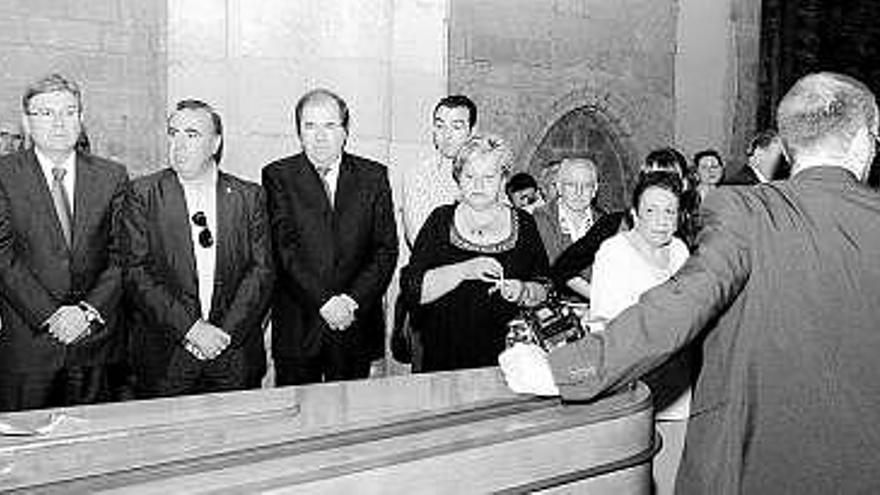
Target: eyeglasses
(52, 114)
(206, 240)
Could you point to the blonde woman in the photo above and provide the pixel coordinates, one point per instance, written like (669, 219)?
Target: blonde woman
(474, 263)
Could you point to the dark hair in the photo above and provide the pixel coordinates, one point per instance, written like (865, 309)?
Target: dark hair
(704, 153)
(318, 94)
(50, 84)
(456, 101)
(668, 158)
(661, 179)
(519, 182)
(193, 104)
(761, 140)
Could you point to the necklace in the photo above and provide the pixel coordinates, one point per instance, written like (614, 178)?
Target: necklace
(481, 223)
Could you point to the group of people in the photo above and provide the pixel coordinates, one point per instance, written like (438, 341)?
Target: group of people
(779, 293)
(112, 288)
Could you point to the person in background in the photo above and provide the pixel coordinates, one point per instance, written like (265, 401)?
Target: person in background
(523, 192)
(782, 294)
(200, 268)
(566, 219)
(61, 258)
(574, 262)
(766, 161)
(335, 244)
(474, 265)
(11, 138)
(431, 184)
(708, 171)
(627, 265)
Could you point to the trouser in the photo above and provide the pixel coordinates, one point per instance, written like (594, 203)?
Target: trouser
(67, 386)
(188, 375)
(335, 362)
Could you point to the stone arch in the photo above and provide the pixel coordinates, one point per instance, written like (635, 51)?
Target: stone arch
(613, 120)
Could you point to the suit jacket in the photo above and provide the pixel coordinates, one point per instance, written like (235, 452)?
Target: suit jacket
(547, 218)
(161, 278)
(322, 251)
(787, 399)
(39, 272)
(745, 176)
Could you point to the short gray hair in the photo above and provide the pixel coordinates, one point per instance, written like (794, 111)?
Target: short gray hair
(824, 108)
(479, 146)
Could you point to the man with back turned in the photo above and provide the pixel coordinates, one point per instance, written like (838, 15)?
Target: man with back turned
(787, 399)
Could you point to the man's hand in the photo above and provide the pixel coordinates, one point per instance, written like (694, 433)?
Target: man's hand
(338, 312)
(207, 339)
(527, 370)
(67, 324)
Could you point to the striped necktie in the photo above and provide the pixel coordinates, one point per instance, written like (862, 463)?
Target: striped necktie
(62, 203)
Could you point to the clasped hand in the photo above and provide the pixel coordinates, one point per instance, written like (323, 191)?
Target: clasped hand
(338, 312)
(206, 341)
(67, 324)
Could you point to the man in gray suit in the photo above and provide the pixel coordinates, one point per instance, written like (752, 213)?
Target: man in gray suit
(787, 399)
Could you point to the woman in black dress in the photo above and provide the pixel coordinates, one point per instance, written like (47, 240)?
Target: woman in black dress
(474, 263)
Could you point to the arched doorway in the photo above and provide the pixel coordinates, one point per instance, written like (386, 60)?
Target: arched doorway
(584, 132)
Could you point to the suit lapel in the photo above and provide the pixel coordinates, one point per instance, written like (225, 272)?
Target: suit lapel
(174, 221)
(35, 181)
(226, 208)
(86, 196)
(346, 185)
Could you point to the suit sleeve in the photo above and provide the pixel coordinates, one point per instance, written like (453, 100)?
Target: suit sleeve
(106, 294)
(18, 284)
(286, 241)
(370, 283)
(147, 290)
(666, 317)
(255, 288)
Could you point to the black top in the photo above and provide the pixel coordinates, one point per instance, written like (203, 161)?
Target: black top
(465, 328)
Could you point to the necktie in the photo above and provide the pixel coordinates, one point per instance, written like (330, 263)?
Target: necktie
(322, 173)
(61, 202)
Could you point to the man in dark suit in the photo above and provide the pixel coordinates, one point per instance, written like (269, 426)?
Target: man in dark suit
(200, 269)
(787, 399)
(766, 162)
(335, 245)
(60, 258)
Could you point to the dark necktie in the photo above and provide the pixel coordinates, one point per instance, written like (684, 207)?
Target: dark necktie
(61, 202)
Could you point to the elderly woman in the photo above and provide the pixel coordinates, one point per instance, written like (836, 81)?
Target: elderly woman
(708, 171)
(629, 264)
(474, 263)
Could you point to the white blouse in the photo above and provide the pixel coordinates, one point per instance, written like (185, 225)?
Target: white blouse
(621, 274)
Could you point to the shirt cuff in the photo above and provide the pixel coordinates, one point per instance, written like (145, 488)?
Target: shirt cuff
(92, 314)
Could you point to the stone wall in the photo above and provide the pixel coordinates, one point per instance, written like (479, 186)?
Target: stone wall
(253, 60)
(527, 63)
(113, 48)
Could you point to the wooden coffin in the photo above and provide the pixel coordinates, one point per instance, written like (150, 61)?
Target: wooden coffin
(457, 432)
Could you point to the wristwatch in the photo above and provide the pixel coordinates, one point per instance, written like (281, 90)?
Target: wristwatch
(93, 318)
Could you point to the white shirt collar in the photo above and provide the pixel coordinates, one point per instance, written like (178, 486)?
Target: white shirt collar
(69, 164)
